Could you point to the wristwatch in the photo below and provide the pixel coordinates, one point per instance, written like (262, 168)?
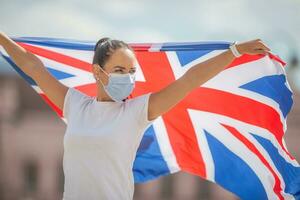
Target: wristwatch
(234, 50)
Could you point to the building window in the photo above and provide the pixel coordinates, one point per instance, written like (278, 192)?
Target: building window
(60, 178)
(30, 171)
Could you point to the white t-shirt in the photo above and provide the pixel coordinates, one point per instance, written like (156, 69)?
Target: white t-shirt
(100, 145)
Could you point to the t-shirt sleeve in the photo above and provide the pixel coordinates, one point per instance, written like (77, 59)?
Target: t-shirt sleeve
(73, 102)
(140, 107)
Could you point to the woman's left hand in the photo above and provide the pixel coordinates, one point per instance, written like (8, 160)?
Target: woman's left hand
(252, 47)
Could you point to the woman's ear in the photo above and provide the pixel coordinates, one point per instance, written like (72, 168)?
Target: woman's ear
(95, 70)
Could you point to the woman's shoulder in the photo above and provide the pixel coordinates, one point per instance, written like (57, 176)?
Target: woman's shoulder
(77, 92)
(139, 107)
(139, 103)
(138, 99)
(75, 100)
(77, 95)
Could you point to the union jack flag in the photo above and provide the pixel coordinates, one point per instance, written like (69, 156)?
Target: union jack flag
(228, 130)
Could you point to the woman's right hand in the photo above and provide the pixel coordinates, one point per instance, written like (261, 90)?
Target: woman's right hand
(32, 66)
(2, 35)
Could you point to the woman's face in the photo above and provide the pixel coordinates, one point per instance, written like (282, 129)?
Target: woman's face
(122, 61)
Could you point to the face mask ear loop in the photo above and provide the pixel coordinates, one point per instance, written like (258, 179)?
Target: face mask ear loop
(101, 82)
(100, 78)
(103, 71)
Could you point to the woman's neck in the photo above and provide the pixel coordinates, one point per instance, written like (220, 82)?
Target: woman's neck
(101, 95)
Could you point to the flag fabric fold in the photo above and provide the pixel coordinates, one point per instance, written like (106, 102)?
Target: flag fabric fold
(230, 130)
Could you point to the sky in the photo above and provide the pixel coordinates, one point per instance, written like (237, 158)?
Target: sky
(276, 22)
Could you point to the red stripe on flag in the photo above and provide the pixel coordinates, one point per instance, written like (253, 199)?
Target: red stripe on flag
(158, 74)
(52, 105)
(277, 58)
(89, 89)
(245, 58)
(58, 57)
(277, 188)
(184, 142)
(245, 109)
(140, 46)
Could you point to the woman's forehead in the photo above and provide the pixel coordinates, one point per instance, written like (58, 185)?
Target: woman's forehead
(121, 58)
(123, 53)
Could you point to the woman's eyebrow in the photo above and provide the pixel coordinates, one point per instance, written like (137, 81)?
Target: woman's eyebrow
(117, 66)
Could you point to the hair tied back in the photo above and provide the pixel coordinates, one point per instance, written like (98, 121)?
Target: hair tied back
(101, 42)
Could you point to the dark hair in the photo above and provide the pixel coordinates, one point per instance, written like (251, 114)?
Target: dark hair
(105, 47)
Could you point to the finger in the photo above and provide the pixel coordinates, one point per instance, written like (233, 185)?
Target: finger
(261, 51)
(264, 46)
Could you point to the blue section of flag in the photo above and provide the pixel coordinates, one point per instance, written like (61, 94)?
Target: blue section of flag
(89, 45)
(59, 74)
(186, 57)
(232, 173)
(57, 42)
(289, 173)
(273, 87)
(149, 162)
(194, 46)
(19, 71)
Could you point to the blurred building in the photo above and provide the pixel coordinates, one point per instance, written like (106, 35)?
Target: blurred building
(31, 139)
(31, 150)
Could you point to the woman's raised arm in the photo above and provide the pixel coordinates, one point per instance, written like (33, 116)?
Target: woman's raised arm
(163, 100)
(32, 66)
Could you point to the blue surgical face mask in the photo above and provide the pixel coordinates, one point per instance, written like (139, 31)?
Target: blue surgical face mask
(119, 86)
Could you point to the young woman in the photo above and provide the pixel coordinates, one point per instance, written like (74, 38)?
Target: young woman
(104, 132)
